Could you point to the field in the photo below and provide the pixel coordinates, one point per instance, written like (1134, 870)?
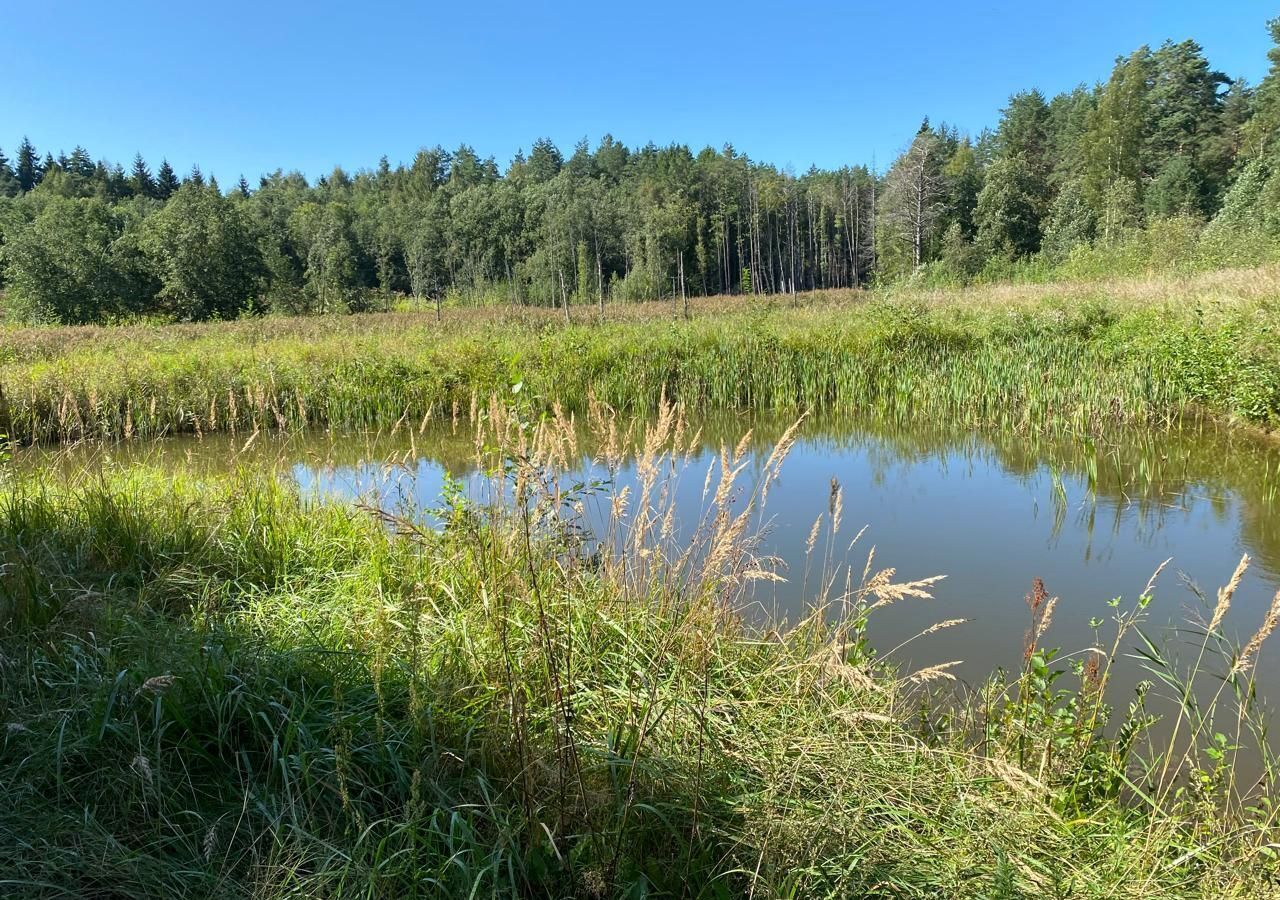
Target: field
(214, 686)
(1073, 356)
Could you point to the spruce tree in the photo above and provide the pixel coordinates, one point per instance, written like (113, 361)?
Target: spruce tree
(28, 169)
(166, 181)
(8, 181)
(80, 163)
(141, 181)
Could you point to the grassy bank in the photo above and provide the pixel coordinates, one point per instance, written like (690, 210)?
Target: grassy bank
(1075, 356)
(213, 688)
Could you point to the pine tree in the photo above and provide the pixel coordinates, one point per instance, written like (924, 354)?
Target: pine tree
(1185, 108)
(166, 181)
(196, 177)
(545, 161)
(140, 181)
(1023, 130)
(242, 186)
(28, 168)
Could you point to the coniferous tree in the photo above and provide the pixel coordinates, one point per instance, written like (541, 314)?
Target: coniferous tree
(140, 180)
(8, 180)
(914, 189)
(27, 167)
(166, 181)
(1185, 108)
(81, 163)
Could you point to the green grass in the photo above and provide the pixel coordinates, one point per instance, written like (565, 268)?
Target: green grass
(215, 688)
(1072, 357)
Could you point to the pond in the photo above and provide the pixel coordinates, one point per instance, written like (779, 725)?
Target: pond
(1092, 519)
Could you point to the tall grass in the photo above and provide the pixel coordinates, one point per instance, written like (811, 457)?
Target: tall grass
(1070, 358)
(218, 688)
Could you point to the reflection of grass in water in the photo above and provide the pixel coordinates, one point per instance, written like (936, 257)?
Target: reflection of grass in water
(1131, 472)
(213, 687)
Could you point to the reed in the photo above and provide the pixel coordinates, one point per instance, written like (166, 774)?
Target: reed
(216, 687)
(1066, 358)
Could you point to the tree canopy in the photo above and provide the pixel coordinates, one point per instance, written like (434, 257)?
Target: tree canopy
(1166, 136)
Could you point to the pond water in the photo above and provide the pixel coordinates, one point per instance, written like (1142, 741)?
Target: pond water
(991, 512)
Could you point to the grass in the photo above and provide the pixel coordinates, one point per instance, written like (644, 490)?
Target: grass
(1074, 357)
(214, 687)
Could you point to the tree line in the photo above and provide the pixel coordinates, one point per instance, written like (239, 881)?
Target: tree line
(1166, 153)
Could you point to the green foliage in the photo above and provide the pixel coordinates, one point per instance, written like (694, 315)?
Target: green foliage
(204, 255)
(1165, 137)
(77, 262)
(212, 687)
(950, 360)
(1010, 208)
(1072, 222)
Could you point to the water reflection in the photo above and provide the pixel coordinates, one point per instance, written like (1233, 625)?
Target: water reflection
(991, 511)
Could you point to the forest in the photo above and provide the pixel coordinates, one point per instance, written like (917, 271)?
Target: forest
(649, 522)
(1167, 165)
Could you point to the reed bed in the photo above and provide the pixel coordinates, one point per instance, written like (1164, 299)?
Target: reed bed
(216, 687)
(1049, 358)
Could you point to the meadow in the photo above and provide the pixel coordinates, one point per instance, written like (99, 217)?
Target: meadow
(1069, 355)
(214, 686)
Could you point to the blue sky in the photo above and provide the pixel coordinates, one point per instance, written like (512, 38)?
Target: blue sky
(247, 87)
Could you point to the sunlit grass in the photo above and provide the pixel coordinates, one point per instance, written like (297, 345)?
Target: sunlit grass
(213, 687)
(1070, 357)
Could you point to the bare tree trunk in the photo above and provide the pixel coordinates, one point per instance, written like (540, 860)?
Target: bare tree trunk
(599, 277)
(683, 294)
(564, 297)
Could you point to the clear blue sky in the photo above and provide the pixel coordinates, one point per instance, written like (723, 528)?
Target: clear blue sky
(248, 87)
